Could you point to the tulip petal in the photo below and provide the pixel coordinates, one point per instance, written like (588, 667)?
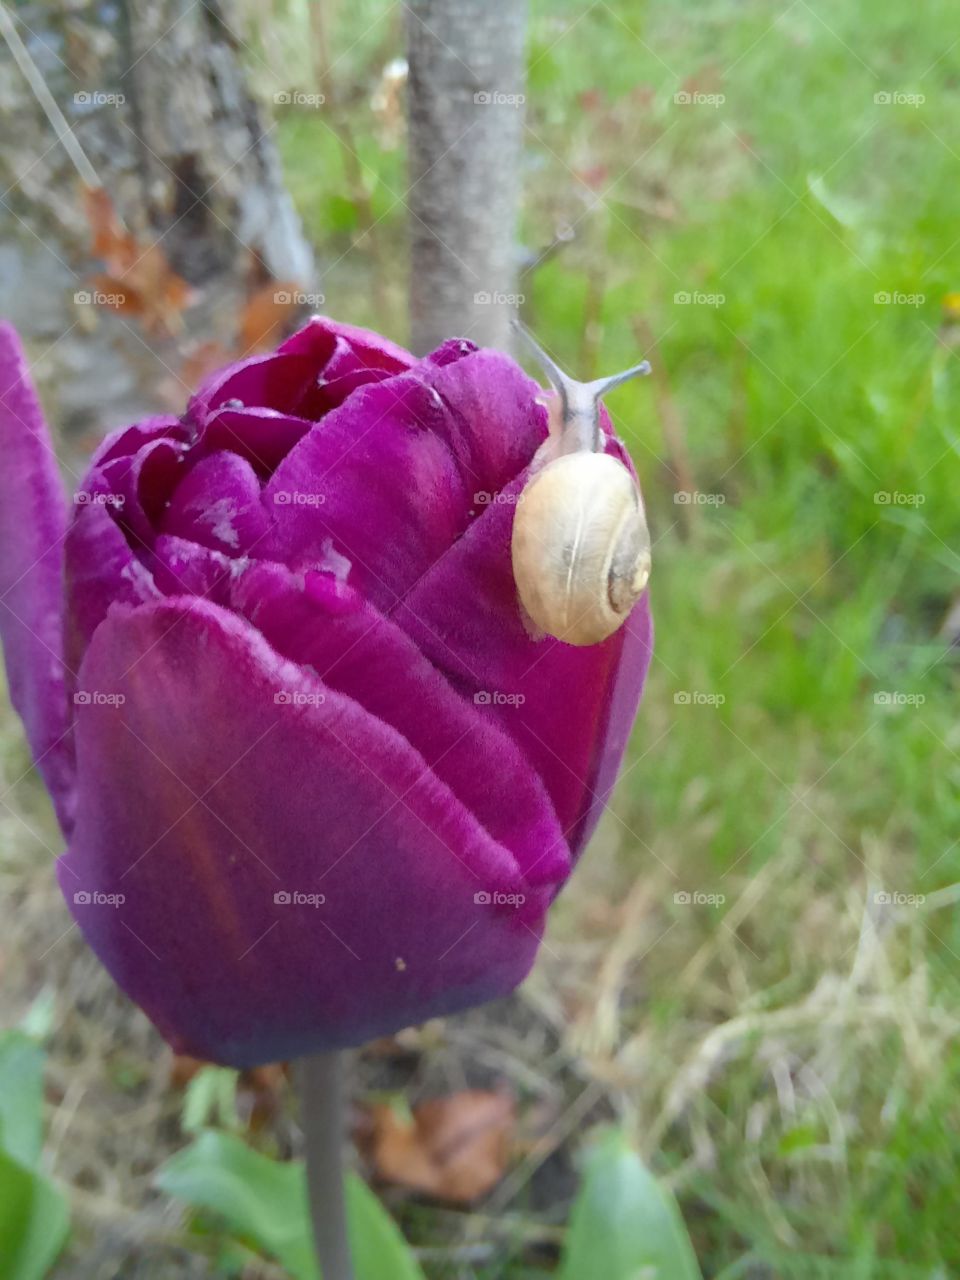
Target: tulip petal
(330, 393)
(100, 569)
(126, 441)
(354, 649)
(342, 348)
(33, 521)
(396, 474)
(579, 703)
(272, 381)
(184, 568)
(140, 486)
(496, 420)
(285, 379)
(449, 352)
(215, 785)
(217, 504)
(378, 478)
(263, 437)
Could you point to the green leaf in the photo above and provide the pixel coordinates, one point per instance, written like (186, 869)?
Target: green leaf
(38, 1021)
(264, 1202)
(21, 1097)
(211, 1096)
(376, 1241)
(261, 1200)
(33, 1222)
(625, 1225)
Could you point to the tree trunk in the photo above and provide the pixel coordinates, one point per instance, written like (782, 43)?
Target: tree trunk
(155, 95)
(155, 102)
(466, 124)
(210, 167)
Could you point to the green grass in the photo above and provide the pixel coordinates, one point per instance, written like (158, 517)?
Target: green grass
(797, 601)
(809, 1138)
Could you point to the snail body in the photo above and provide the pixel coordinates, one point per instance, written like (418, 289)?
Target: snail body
(580, 545)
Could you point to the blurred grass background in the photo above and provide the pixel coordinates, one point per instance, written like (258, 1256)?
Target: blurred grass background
(783, 1044)
(789, 1055)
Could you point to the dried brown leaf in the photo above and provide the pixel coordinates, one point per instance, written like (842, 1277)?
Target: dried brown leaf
(454, 1148)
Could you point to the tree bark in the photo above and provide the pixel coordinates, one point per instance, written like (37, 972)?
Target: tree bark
(157, 112)
(466, 100)
(155, 95)
(211, 169)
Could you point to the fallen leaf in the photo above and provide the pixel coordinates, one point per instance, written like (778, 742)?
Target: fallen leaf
(454, 1148)
(137, 278)
(111, 241)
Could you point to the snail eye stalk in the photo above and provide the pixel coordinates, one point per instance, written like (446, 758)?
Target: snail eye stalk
(579, 401)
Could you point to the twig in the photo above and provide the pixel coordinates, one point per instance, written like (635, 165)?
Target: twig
(34, 78)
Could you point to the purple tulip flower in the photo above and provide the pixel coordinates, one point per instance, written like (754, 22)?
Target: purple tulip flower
(318, 779)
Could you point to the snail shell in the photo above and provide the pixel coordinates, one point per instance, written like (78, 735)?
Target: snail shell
(580, 545)
(581, 550)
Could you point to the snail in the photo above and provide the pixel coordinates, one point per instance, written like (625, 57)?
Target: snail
(580, 545)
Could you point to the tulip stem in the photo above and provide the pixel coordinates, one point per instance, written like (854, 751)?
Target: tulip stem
(321, 1087)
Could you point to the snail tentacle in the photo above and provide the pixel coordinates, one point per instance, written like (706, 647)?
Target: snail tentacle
(579, 401)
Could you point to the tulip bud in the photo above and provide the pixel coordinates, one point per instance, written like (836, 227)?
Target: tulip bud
(318, 779)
